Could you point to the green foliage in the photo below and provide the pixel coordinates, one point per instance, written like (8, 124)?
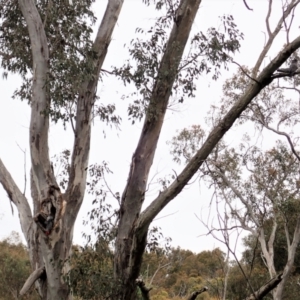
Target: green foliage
(91, 275)
(173, 275)
(208, 53)
(15, 269)
(68, 29)
(186, 143)
(238, 287)
(181, 272)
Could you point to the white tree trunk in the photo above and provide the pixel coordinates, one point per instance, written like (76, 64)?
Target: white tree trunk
(49, 243)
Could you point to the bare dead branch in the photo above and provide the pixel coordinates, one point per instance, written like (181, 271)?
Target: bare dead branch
(194, 295)
(165, 216)
(34, 276)
(223, 222)
(233, 251)
(266, 288)
(286, 26)
(243, 272)
(240, 196)
(289, 88)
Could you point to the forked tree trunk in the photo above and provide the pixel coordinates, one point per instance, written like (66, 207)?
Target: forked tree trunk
(49, 230)
(131, 239)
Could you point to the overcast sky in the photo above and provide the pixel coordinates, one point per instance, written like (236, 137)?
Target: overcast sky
(117, 146)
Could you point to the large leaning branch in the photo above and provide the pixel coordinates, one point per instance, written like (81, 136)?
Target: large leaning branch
(265, 289)
(85, 103)
(34, 276)
(264, 79)
(16, 196)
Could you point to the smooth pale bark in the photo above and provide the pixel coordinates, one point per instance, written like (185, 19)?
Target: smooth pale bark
(34, 276)
(52, 251)
(292, 247)
(268, 251)
(130, 244)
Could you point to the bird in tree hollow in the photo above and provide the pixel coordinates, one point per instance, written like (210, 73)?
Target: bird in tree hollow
(49, 224)
(291, 69)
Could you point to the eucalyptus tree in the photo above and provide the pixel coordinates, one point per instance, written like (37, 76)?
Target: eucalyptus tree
(267, 202)
(48, 43)
(259, 187)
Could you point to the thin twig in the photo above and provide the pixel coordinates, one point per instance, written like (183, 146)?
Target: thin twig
(285, 25)
(292, 18)
(287, 137)
(168, 215)
(246, 73)
(115, 195)
(109, 72)
(268, 18)
(159, 268)
(247, 5)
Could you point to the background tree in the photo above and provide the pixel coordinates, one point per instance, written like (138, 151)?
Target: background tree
(15, 268)
(56, 44)
(261, 192)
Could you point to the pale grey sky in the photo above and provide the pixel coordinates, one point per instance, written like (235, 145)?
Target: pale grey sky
(117, 148)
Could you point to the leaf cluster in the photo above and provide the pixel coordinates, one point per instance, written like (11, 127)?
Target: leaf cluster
(68, 31)
(208, 53)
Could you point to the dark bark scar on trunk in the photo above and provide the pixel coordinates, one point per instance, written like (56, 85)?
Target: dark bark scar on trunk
(51, 211)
